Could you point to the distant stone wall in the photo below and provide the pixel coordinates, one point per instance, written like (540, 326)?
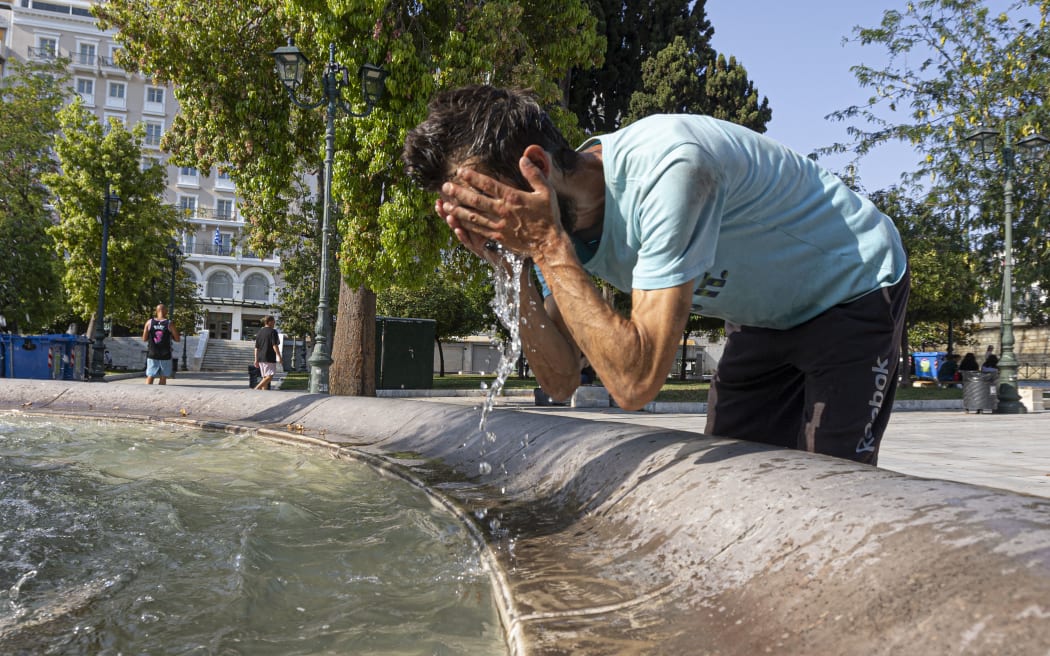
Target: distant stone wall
(1031, 347)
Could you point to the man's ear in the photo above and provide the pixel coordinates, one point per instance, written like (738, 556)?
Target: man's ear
(539, 158)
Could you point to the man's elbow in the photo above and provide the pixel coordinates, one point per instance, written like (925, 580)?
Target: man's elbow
(634, 396)
(632, 403)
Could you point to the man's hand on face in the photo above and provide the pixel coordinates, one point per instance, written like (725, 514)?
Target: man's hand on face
(479, 208)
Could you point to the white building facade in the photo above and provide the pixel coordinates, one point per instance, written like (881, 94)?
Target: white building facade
(237, 288)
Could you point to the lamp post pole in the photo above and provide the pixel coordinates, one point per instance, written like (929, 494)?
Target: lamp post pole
(291, 68)
(110, 207)
(175, 256)
(1009, 401)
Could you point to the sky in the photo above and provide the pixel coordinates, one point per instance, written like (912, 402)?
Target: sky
(793, 52)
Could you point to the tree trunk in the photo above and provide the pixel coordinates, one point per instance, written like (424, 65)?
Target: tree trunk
(441, 357)
(353, 371)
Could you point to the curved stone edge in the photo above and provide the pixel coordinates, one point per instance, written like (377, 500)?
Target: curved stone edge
(619, 539)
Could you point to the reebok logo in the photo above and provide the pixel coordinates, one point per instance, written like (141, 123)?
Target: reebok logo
(882, 379)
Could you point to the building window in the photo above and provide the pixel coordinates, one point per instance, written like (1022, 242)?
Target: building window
(224, 209)
(86, 54)
(154, 100)
(223, 179)
(116, 97)
(188, 176)
(188, 206)
(257, 288)
(46, 48)
(86, 90)
(154, 131)
(220, 285)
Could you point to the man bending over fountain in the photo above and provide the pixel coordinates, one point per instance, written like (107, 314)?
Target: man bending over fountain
(689, 214)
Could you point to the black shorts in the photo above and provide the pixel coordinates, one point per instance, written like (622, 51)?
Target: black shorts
(825, 386)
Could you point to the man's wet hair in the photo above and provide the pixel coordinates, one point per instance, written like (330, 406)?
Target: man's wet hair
(485, 127)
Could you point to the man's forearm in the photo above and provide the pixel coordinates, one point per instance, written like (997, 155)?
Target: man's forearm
(552, 355)
(632, 356)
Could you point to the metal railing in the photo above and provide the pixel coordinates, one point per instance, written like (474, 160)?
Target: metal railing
(108, 62)
(225, 251)
(42, 54)
(1033, 371)
(206, 213)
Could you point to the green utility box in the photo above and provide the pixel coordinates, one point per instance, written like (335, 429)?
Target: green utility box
(404, 353)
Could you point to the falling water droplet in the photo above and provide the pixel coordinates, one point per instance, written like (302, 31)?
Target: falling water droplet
(484, 468)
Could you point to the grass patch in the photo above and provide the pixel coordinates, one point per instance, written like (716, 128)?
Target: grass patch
(674, 390)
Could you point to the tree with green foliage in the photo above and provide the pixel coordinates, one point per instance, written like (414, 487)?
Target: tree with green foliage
(634, 31)
(30, 270)
(677, 81)
(94, 159)
(955, 65)
(946, 283)
(234, 111)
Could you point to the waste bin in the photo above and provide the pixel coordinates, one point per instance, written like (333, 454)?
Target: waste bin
(69, 356)
(31, 356)
(927, 364)
(254, 376)
(980, 392)
(404, 353)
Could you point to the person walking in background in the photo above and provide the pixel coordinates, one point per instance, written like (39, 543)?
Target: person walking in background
(158, 333)
(267, 352)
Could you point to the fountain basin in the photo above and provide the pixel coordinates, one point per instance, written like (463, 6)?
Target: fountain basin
(613, 539)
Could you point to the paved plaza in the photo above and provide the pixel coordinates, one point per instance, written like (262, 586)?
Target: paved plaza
(1010, 452)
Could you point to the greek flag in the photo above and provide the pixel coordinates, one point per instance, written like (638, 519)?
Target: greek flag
(218, 242)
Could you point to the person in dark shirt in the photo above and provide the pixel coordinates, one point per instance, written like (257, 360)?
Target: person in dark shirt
(158, 333)
(267, 352)
(969, 363)
(949, 370)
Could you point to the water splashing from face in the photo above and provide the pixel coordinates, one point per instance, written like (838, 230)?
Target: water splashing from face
(506, 280)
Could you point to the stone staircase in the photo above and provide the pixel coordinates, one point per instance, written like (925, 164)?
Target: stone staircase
(228, 355)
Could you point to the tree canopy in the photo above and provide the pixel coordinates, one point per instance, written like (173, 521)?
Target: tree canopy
(955, 65)
(676, 81)
(634, 31)
(30, 271)
(94, 159)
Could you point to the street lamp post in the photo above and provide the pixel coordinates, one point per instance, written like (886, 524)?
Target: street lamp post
(110, 207)
(291, 66)
(987, 141)
(175, 256)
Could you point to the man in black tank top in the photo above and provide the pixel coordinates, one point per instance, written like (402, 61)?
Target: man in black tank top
(158, 333)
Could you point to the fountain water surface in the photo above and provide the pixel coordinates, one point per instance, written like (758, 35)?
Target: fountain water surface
(120, 538)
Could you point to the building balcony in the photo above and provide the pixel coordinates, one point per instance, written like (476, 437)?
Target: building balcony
(42, 54)
(223, 253)
(108, 66)
(205, 214)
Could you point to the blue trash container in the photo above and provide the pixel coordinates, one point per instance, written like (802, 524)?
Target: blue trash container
(31, 356)
(927, 364)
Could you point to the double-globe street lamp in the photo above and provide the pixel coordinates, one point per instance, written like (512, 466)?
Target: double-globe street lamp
(1030, 148)
(291, 68)
(176, 257)
(110, 208)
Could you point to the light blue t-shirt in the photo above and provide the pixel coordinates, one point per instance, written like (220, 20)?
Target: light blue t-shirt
(770, 237)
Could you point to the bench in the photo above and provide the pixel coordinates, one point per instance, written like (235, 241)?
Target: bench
(1032, 398)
